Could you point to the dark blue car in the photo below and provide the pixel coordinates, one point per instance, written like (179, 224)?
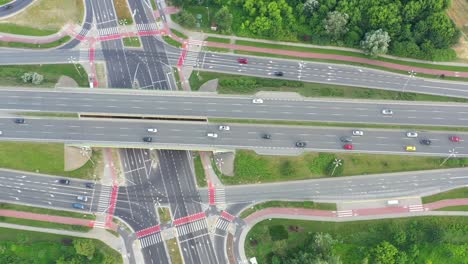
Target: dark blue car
(78, 206)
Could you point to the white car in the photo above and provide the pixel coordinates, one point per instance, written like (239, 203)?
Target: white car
(257, 101)
(152, 130)
(213, 135)
(82, 198)
(225, 128)
(1, 132)
(358, 133)
(412, 134)
(387, 112)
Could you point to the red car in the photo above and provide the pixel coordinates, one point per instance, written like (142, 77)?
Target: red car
(348, 146)
(242, 60)
(454, 139)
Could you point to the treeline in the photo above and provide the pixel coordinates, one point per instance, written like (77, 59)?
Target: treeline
(404, 241)
(409, 28)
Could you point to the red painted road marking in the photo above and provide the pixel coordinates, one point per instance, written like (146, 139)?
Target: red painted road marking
(148, 231)
(189, 219)
(227, 216)
(211, 193)
(182, 58)
(150, 32)
(110, 37)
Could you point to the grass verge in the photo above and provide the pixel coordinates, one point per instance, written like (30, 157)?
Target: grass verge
(199, 171)
(45, 158)
(219, 40)
(250, 168)
(177, 78)
(288, 204)
(132, 42)
(39, 210)
(171, 42)
(51, 225)
(452, 194)
(36, 46)
(123, 11)
(174, 251)
(179, 34)
(333, 124)
(48, 114)
(270, 55)
(215, 49)
(113, 232)
(10, 75)
(233, 84)
(24, 30)
(434, 239)
(23, 246)
(351, 54)
(164, 214)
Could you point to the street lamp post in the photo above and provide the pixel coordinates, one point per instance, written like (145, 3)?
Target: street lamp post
(452, 153)
(337, 163)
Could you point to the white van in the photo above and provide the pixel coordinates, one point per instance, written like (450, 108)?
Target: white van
(213, 135)
(393, 202)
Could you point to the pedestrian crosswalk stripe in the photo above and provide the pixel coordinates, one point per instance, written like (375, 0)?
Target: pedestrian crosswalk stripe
(150, 240)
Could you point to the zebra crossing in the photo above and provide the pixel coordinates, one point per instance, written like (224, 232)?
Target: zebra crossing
(146, 27)
(220, 197)
(150, 240)
(344, 213)
(104, 198)
(108, 31)
(416, 208)
(191, 59)
(222, 224)
(83, 32)
(99, 224)
(192, 227)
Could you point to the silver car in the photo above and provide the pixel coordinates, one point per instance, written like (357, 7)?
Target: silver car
(387, 112)
(82, 198)
(412, 134)
(358, 133)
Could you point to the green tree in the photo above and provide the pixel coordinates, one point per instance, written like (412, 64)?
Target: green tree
(85, 247)
(223, 19)
(376, 42)
(384, 253)
(323, 245)
(335, 24)
(186, 19)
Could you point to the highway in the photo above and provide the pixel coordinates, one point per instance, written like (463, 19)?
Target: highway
(193, 135)
(274, 108)
(12, 8)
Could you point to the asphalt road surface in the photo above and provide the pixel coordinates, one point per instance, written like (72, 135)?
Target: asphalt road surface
(13, 7)
(274, 108)
(193, 135)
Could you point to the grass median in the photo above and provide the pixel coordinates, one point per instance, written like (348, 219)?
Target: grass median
(132, 42)
(251, 168)
(218, 40)
(171, 41)
(43, 224)
(452, 194)
(164, 215)
(36, 46)
(199, 171)
(288, 204)
(123, 12)
(179, 34)
(174, 251)
(48, 114)
(47, 158)
(235, 84)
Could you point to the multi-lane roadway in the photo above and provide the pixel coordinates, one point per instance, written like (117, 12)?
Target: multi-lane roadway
(194, 135)
(273, 108)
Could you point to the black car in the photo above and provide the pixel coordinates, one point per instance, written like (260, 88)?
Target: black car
(19, 120)
(278, 73)
(89, 185)
(64, 181)
(147, 139)
(266, 136)
(346, 139)
(301, 144)
(425, 141)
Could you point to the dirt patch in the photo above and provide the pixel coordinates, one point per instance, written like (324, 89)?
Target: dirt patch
(458, 12)
(74, 158)
(66, 82)
(49, 14)
(209, 86)
(101, 75)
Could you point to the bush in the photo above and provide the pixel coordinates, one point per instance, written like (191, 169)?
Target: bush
(32, 77)
(185, 19)
(278, 232)
(287, 168)
(320, 163)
